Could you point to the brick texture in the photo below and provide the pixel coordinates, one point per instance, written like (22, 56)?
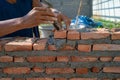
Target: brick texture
(115, 36)
(52, 48)
(84, 59)
(19, 44)
(73, 35)
(19, 59)
(106, 58)
(116, 58)
(106, 47)
(68, 47)
(60, 34)
(94, 35)
(41, 59)
(84, 79)
(95, 69)
(84, 48)
(38, 69)
(40, 44)
(39, 79)
(16, 70)
(111, 69)
(60, 79)
(5, 78)
(6, 59)
(62, 58)
(82, 70)
(59, 70)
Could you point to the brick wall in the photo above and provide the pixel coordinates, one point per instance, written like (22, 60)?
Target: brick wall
(66, 55)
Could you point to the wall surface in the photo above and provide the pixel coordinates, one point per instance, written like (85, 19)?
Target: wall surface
(70, 7)
(66, 55)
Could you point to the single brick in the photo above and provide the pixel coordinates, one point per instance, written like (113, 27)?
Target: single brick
(62, 58)
(111, 69)
(40, 44)
(115, 36)
(73, 35)
(16, 70)
(95, 69)
(82, 70)
(67, 47)
(105, 58)
(84, 79)
(38, 69)
(5, 78)
(39, 79)
(41, 59)
(116, 58)
(59, 70)
(0, 47)
(52, 48)
(84, 59)
(106, 47)
(20, 44)
(60, 79)
(60, 34)
(94, 35)
(6, 59)
(84, 48)
(19, 59)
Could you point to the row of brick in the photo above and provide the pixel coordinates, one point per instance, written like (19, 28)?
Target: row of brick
(59, 59)
(41, 45)
(75, 35)
(58, 79)
(68, 70)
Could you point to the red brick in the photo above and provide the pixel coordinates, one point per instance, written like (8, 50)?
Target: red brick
(52, 48)
(59, 70)
(38, 69)
(41, 58)
(5, 79)
(40, 44)
(19, 59)
(67, 47)
(105, 58)
(40, 79)
(73, 35)
(60, 79)
(62, 58)
(115, 36)
(3, 41)
(19, 79)
(16, 70)
(116, 58)
(94, 35)
(20, 44)
(84, 59)
(95, 69)
(106, 47)
(84, 48)
(111, 69)
(84, 79)
(82, 70)
(6, 59)
(60, 34)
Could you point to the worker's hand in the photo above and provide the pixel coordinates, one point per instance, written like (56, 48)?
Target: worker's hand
(65, 19)
(38, 15)
(62, 18)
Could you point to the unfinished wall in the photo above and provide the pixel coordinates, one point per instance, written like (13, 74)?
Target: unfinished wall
(70, 7)
(68, 55)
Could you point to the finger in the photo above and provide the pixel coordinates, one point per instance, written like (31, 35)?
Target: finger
(48, 18)
(40, 8)
(44, 13)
